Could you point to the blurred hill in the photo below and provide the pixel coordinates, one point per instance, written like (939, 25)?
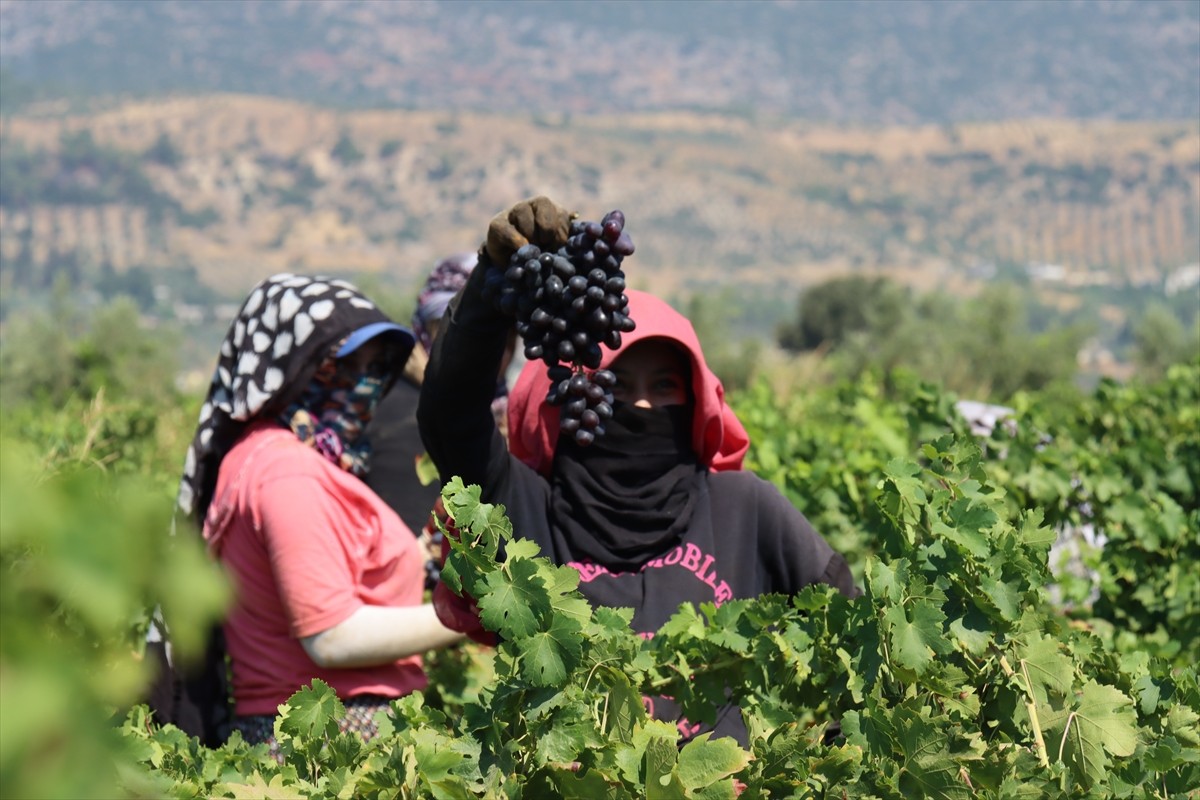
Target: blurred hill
(843, 61)
(236, 187)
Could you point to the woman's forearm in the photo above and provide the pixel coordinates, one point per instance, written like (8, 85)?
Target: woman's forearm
(375, 635)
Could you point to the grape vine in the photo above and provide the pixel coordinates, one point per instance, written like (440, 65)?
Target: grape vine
(957, 674)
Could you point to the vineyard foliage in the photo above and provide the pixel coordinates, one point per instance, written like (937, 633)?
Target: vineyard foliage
(1027, 628)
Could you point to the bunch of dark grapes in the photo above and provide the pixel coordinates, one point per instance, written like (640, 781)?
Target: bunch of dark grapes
(568, 304)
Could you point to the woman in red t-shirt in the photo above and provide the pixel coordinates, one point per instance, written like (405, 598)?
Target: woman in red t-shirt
(329, 581)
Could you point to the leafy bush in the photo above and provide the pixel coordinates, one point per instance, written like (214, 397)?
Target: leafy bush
(83, 556)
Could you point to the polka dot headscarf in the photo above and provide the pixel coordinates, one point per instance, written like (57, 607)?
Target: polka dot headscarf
(287, 327)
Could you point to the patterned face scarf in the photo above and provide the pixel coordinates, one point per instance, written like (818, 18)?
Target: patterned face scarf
(334, 411)
(287, 328)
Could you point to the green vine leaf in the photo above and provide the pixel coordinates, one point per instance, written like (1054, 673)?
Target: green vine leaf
(706, 766)
(916, 634)
(311, 713)
(514, 599)
(1099, 722)
(548, 656)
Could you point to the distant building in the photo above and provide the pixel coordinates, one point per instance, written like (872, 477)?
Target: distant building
(1050, 273)
(984, 417)
(1182, 279)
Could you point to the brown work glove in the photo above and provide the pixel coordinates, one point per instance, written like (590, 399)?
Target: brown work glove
(538, 220)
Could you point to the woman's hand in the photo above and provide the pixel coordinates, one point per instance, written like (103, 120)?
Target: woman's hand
(538, 220)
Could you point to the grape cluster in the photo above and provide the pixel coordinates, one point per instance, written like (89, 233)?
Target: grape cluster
(567, 305)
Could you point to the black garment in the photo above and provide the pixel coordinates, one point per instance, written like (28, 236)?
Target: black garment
(745, 538)
(629, 493)
(395, 446)
(197, 699)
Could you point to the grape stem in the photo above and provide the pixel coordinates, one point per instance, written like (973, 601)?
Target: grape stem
(1031, 707)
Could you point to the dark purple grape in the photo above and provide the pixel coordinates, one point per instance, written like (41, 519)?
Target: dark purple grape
(589, 419)
(592, 356)
(526, 252)
(623, 246)
(597, 321)
(568, 424)
(584, 438)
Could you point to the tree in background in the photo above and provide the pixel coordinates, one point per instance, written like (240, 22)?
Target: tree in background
(52, 355)
(831, 312)
(1160, 339)
(733, 360)
(164, 151)
(346, 151)
(984, 347)
(95, 387)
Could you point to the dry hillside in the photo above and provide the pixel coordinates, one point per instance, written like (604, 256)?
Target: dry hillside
(260, 185)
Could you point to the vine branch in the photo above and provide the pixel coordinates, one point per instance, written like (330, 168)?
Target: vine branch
(1031, 707)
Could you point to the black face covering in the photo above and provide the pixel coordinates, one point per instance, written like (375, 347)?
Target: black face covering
(627, 497)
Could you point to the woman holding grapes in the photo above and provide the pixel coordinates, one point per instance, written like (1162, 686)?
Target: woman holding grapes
(654, 509)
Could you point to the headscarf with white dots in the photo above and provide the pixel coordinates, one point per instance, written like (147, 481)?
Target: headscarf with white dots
(288, 325)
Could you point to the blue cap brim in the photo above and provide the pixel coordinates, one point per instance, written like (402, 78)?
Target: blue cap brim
(368, 332)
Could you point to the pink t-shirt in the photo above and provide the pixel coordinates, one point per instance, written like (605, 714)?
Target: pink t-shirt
(306, 544)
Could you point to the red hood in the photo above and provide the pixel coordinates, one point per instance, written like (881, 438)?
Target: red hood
(718, 437)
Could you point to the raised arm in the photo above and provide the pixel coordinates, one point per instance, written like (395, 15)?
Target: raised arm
(454, 413)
